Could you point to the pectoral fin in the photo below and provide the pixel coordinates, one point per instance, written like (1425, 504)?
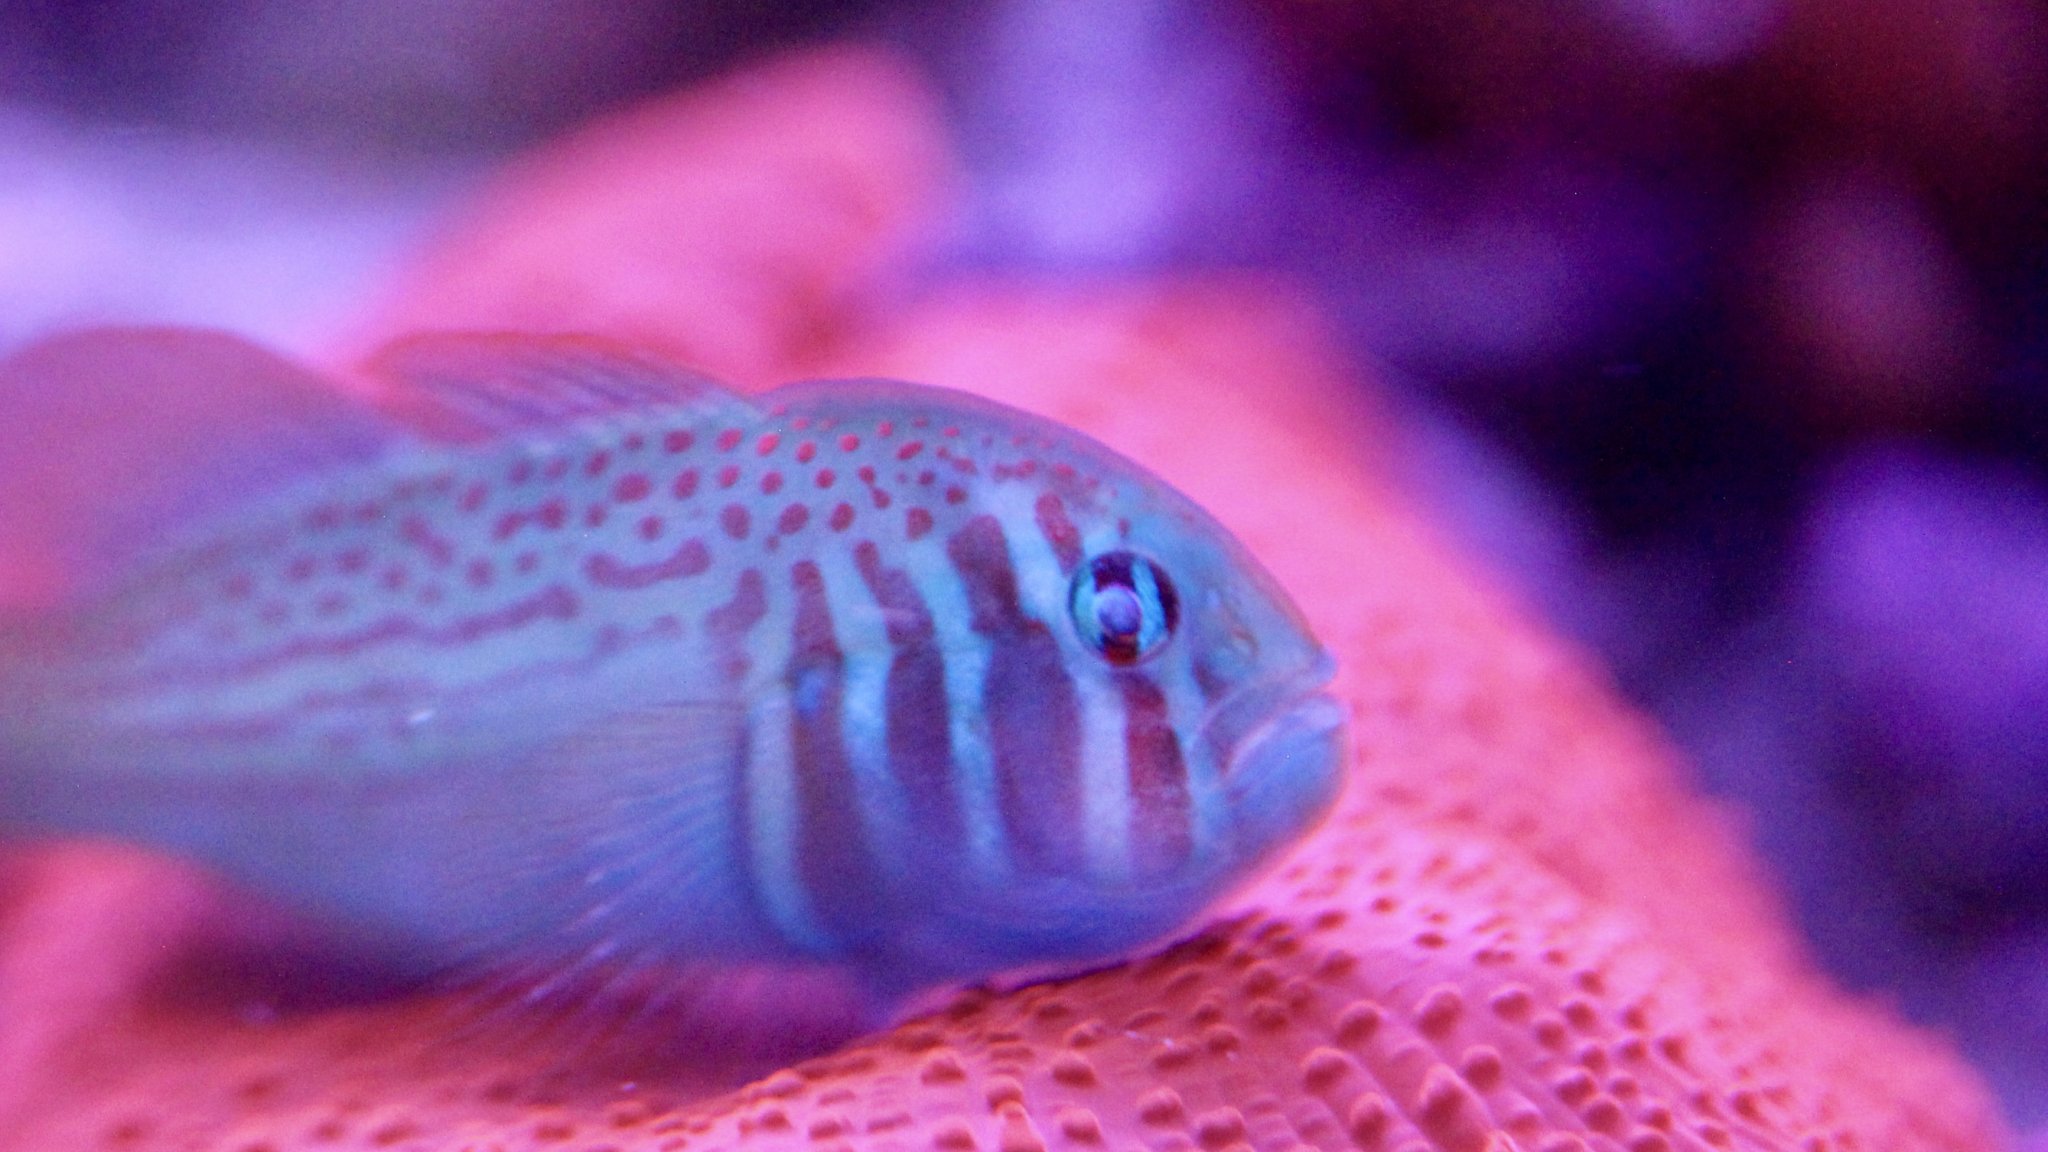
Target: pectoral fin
(625, 930)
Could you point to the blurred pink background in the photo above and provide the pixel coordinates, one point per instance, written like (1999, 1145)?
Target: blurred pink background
(1720, 330)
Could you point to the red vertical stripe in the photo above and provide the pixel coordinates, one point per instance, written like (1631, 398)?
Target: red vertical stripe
(834, 861)
(919, 725)
(1033, 712)
(1162, 833)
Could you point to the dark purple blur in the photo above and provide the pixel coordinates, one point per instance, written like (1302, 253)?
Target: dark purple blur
(1721, 326)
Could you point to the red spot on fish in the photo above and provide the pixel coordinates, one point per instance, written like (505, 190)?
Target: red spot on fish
(729, 439)
(793, 517)
(650, 527)
(728, 623)
(238, 586)
(842, 517)
(806, 452)
(886, 428)
(956, 495)
(881, 498)
(479, 573)
(680, 440)
(633, 442)
(692, 558)
(950, 431)
(553, 514)
(849, 442)
(393, 578)
(926, 478)
(553, 602)
(473, 499)
(866, 472)
(685, 485)
(300, 569)
(330, 605)
(368, 513)
(771, 483)
(961, 464)
(521, 472)
(825, 478)
(917, 522)
(630, 487)
(1051, 514)
(274, 613)
(734, 519)
(920, 421)
(595, 516)
(910, 449)
(353, 561)
(507, 524)
(323, 518)
(728, 476)
(768, 442)
(597, 463)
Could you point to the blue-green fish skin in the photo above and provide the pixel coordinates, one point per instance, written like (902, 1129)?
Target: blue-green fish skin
(570, 655)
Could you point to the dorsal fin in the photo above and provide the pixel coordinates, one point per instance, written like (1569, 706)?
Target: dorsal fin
(111, 437)
(466, 386)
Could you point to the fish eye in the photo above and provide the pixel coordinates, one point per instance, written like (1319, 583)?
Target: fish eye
(1124, 607)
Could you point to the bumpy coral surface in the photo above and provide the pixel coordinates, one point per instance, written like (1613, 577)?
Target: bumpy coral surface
(1518, 930)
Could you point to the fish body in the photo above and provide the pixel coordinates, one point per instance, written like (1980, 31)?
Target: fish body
(569, 654)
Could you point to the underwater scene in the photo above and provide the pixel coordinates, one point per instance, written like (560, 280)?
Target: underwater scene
(906, 574)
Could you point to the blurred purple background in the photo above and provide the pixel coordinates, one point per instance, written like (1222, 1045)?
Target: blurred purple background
(1721, 326)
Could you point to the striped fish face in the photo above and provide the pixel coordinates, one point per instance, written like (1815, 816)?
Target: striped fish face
(1068, 708)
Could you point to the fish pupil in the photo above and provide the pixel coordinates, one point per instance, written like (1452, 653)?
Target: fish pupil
(1124, 607)
(1119, 614)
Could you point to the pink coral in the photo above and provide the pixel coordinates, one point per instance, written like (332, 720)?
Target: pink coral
(1518, 930)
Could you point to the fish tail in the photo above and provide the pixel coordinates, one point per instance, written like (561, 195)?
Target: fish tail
(22, 804)
(12, 806)
(17, 809)
(112, 442)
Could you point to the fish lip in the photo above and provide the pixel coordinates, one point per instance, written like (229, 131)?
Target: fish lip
(1288, 766)
(1311, 715)
(1239, 722)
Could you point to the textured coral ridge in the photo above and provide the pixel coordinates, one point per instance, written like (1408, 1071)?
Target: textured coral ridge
(1517, 932)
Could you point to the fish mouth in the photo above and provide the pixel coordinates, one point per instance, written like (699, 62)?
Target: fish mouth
(1290, 705)
(1304, 742)
(1284, 772)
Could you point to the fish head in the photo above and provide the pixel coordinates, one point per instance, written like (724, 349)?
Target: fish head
(1151, 725)
(1232, 748)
